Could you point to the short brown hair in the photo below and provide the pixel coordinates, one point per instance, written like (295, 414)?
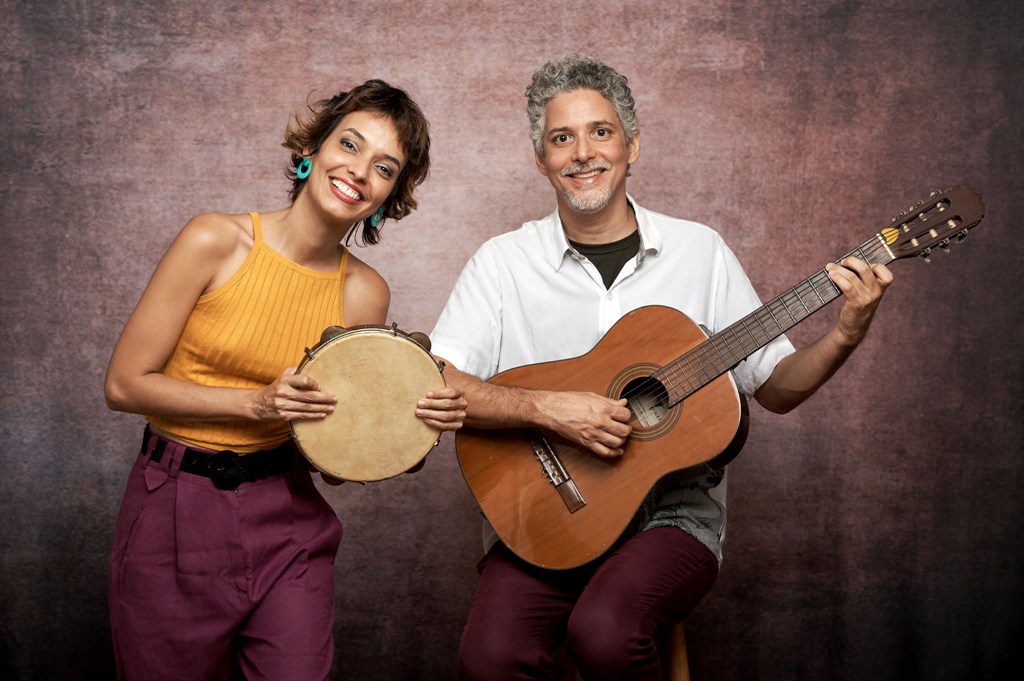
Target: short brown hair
(379, 97)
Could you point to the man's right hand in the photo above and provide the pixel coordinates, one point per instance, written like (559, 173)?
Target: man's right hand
(598, 423)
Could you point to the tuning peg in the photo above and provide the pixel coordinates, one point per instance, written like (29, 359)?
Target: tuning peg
(961, 235)
(944, 245)
(934, 194)
(926, 254)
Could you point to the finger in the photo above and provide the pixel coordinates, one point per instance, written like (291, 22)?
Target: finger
(442, 404)
(445, 417)
(840, 276)
(290, 409)
(302, 415)
(622, 415)
(305, 401)
(605, 451)
(612, 435)
(443, 425)
(445, 394)
(882, 274)
(855, 264)
(300, 382)
(872, 276)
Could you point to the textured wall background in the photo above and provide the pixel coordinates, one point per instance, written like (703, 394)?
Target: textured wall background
(877, 532)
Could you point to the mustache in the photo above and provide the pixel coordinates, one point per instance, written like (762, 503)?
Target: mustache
(585, 168)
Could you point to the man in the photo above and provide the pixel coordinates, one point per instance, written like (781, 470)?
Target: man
(549, 291)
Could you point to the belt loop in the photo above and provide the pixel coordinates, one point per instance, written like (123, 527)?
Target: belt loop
(175, 454)
(157, 462)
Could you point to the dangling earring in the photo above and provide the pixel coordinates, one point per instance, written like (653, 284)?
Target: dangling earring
(304, 167)
(377, 218)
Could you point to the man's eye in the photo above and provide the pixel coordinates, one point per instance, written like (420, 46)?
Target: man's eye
(561, 139)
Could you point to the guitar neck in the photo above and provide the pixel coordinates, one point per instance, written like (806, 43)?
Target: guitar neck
(721, 352)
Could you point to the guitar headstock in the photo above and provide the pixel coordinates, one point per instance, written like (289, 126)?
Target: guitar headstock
(941, 219)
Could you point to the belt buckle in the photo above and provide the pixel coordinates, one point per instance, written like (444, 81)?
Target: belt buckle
(225, 471)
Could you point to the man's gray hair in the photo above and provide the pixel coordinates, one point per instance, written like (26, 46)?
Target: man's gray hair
(578, 72)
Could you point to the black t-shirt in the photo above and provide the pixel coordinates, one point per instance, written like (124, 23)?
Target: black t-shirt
(609, 258)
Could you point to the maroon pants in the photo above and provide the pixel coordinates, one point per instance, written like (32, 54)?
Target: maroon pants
(206, 583)
(615, 614)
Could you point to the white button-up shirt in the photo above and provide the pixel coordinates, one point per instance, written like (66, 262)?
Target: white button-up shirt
(527, 296)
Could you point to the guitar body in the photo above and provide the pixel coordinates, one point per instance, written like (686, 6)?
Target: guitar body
(520, 500)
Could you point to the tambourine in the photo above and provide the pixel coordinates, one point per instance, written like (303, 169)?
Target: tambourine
(378, 374)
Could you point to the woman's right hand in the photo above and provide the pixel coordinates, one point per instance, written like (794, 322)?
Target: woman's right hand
(292, 397)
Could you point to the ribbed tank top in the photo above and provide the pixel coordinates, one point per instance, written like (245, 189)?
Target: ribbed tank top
(246, 332)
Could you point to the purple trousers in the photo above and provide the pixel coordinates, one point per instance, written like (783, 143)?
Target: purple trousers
(209, 584)
(614, 614)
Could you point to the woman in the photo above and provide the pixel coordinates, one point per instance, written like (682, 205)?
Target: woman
(224, 563)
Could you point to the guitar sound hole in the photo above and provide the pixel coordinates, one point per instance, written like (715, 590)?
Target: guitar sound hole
(648, 400)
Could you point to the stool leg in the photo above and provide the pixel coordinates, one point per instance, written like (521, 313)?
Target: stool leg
(679, 662)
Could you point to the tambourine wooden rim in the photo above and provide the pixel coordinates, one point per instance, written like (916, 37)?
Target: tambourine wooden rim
(378, 373)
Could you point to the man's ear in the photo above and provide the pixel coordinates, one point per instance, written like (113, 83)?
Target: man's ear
(539, 160)
(634, 148)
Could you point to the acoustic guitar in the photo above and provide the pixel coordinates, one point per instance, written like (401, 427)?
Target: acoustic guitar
(558, 506)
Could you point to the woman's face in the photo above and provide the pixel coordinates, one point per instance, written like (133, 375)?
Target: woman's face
(357, 166)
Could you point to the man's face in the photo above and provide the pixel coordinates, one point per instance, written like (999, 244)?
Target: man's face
(585, 151)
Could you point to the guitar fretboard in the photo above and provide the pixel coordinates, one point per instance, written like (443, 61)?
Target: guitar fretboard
(721, 352)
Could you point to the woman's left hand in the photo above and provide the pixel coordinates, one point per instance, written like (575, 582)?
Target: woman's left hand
(443, 409)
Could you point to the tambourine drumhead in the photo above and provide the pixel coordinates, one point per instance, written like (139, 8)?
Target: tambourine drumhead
(378, 375)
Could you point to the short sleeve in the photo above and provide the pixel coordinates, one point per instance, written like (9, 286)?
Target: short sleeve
(468, 332)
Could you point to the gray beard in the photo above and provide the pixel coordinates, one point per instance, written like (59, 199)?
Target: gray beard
(588, 202)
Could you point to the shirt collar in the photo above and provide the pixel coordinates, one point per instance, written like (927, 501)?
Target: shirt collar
(556, 246)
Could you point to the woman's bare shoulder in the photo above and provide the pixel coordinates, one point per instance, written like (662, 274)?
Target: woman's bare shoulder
(215, 233)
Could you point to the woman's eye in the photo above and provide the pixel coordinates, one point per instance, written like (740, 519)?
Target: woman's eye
(386, 171)
(348, 144)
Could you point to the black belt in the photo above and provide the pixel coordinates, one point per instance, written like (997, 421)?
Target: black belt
(227, 469)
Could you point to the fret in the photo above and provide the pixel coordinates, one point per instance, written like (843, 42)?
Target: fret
(732, 340)
(814, 289)
(774, 319)
(800, 297)
(785, 307)
(754, 342)
(690, 358)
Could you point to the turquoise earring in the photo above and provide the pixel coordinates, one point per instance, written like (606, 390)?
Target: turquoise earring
(377, 218)
(304, 167)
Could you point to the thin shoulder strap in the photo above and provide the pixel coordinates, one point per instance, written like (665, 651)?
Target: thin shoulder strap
(344, 263)
(341, 280)
(257, 228)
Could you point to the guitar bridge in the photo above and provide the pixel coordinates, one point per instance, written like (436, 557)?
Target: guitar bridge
(556, 473)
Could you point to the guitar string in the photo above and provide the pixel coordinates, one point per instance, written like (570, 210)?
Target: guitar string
(683, 378)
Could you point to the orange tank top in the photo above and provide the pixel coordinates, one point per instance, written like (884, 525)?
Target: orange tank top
(246, 332)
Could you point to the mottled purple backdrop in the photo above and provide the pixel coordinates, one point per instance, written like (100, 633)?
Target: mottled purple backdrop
(876, 533)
